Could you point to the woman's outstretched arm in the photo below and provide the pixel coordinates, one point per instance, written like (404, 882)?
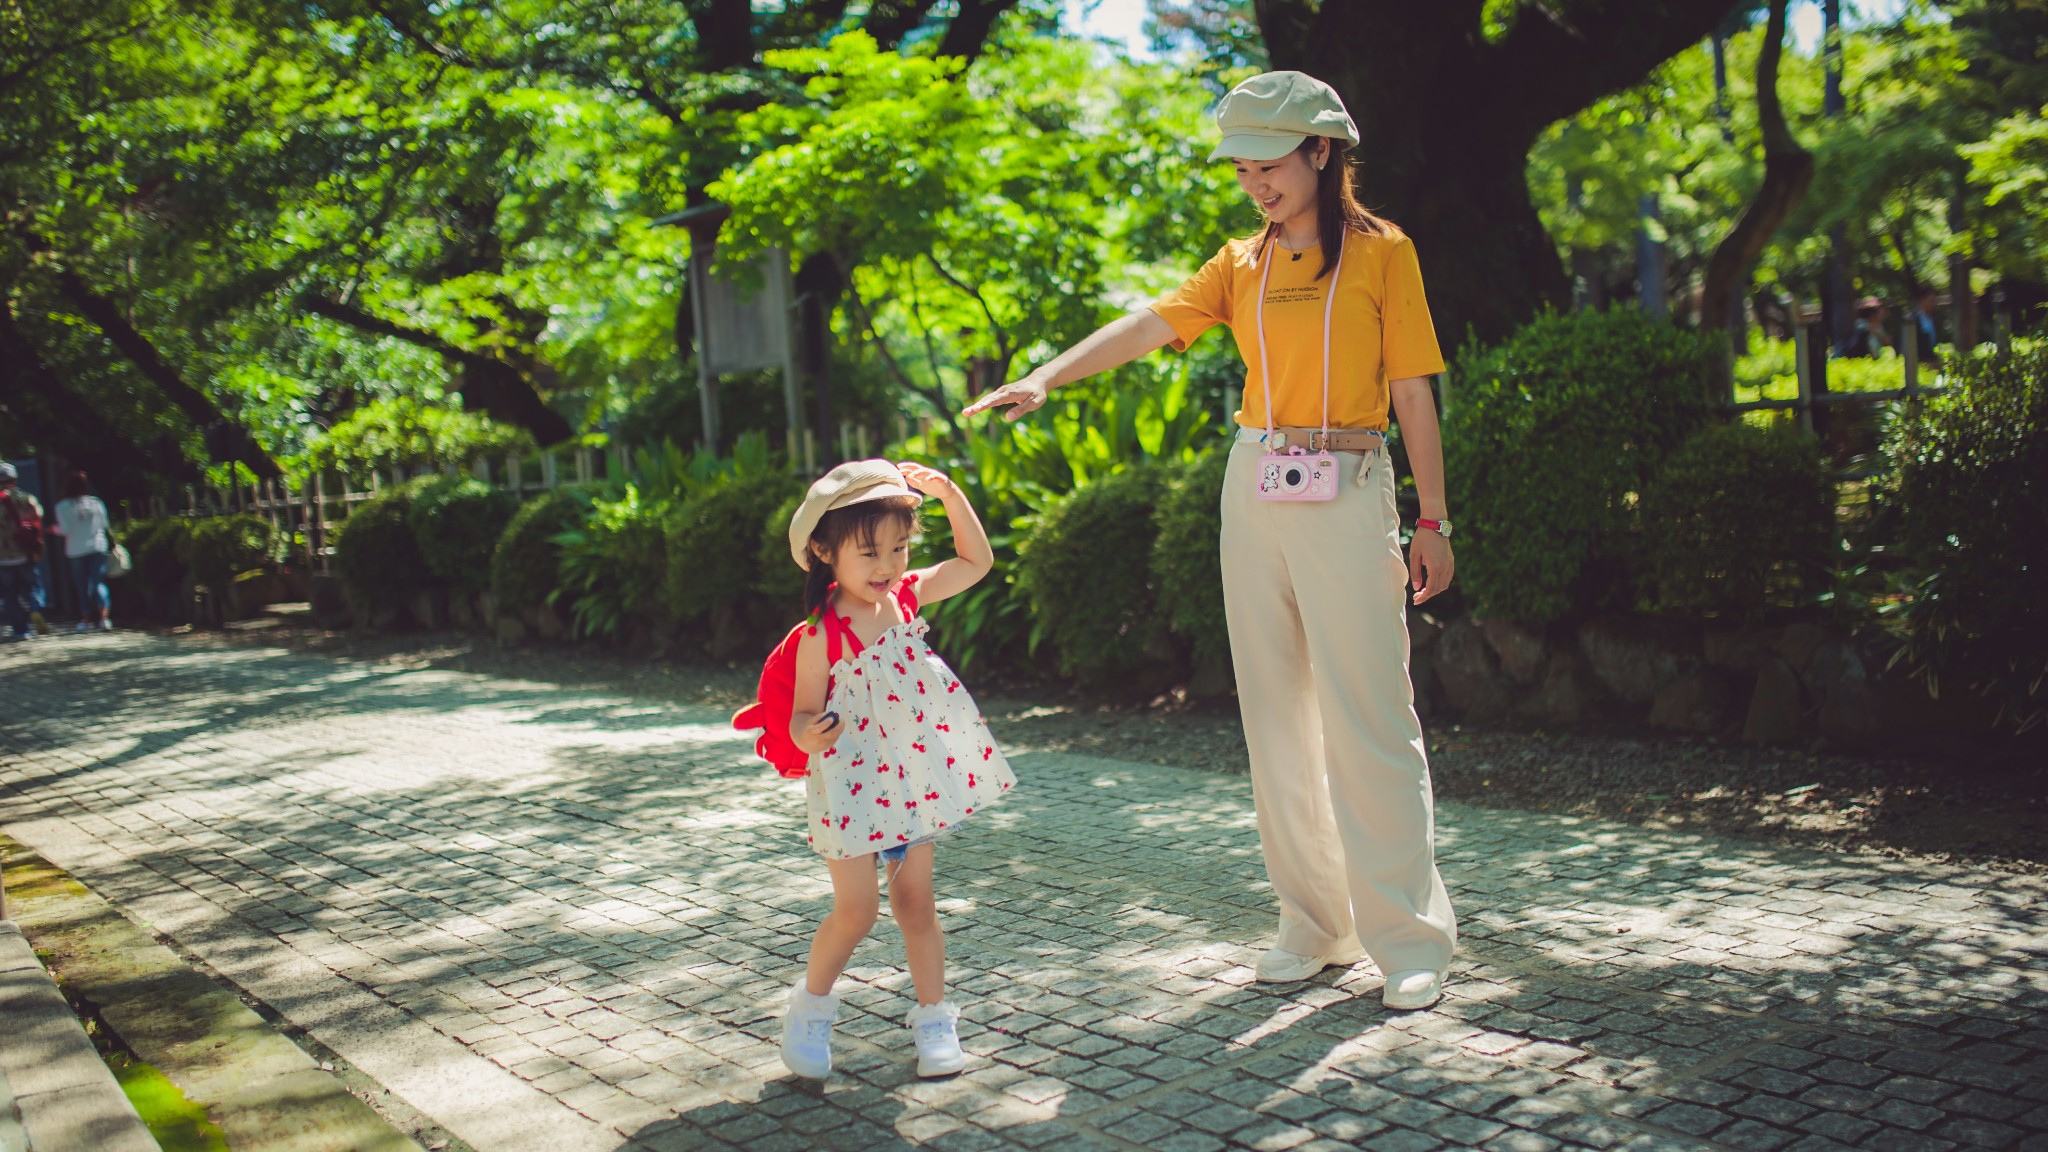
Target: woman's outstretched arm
(1118, 342)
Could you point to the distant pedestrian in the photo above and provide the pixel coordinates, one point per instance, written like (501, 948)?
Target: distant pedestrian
(21, 556)
(1924, 326)
(1869, 335)
(82, 521)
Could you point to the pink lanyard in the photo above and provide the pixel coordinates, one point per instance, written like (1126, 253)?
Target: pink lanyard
(1266, 365)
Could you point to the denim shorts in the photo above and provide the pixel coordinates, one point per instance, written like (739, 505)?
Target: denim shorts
(895, 855)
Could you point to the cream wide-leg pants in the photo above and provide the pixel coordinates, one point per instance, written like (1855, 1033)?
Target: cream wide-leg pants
(1315, 595)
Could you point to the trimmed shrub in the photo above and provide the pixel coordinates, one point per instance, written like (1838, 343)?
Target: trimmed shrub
(780, 586)
(1738, 520)
(1972, 490)
(1551, 437)
(376, 554)
(526, 561)
(221, 548)
(1187, 566)
(716, 553)
(612, 566)
(160, 550)
(1087, 574)
(456, 522)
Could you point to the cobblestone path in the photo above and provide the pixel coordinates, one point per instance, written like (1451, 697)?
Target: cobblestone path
(563, 920)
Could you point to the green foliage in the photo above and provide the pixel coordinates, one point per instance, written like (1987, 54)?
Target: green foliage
(526, 561)
(780, 585)
(1737, 521)
(1012, 471)
(1552, 436)
(160, 549)
(376, 553)
(1187, 564)
(457, 523)
(1972, 490)
(407, 432)
(1087, 574)
(968, 211)
(612, 565)
(221, 548)
(717, 554)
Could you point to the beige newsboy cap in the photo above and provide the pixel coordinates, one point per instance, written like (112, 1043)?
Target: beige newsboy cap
(850, 483)
(1269, 115)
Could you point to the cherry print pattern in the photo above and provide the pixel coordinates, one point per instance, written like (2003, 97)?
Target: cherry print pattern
(920, 784)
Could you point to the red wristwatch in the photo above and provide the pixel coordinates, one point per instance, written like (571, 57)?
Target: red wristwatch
(1440, 527)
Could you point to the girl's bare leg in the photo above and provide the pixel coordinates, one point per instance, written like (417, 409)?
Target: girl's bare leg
(917, 915)
(855, 901)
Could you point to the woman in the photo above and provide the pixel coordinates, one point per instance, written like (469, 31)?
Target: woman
(1327, 309)
(82, 521)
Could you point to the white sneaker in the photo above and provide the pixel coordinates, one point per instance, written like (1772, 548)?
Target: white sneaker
(106, 625)
(938, 1039)
(1415, 988)
(807, 1032)
(82, 626)
(1279, 966)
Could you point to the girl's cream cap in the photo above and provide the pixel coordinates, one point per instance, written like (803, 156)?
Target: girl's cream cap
(851, 483)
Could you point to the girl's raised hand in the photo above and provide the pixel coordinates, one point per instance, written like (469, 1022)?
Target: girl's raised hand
(929, 481)
(1023, 398)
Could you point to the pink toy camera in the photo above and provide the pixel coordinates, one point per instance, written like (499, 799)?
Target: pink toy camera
(1297, 475)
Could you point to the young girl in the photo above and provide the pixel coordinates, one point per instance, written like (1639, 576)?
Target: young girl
(899, 755)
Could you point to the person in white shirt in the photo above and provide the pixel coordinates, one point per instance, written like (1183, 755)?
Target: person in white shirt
(82, 521)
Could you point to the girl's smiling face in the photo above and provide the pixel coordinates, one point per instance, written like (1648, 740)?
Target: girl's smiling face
(868, 571)
(1284, 189)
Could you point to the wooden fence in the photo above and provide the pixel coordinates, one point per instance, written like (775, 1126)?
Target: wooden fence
(309, 511)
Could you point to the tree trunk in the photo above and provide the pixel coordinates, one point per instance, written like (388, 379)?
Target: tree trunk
(117, 465)
(486, 383)
(1788, 169)
(1447, 118)
(105, 315)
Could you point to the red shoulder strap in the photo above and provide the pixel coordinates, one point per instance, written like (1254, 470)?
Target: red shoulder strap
(835, 628)
(906, 595)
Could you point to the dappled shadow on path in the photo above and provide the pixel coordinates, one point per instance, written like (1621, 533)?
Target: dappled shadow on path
(609, 897)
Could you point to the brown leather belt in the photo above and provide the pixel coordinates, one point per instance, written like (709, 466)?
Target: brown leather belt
(1316, 440)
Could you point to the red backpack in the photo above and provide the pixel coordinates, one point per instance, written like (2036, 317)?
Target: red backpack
(775, 699)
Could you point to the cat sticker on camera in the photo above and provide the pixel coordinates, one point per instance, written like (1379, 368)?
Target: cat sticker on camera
(1296, 475)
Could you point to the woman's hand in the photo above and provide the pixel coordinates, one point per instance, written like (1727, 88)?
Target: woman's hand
(1430, 564)
(929, 481)
(821, 733)
(1023, 398)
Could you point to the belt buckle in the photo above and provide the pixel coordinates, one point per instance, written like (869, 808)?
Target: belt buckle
(1319, 441)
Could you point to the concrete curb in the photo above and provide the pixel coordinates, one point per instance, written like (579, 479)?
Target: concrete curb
(56, 1094)
(263, 1091)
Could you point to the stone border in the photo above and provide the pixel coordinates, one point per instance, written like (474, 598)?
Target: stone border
(56, 1094)
(260, 1088)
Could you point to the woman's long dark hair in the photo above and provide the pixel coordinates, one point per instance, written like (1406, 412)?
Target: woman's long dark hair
(1337, 206)
(855, 523)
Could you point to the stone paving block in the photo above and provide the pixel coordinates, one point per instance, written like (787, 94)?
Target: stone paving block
(606, 896)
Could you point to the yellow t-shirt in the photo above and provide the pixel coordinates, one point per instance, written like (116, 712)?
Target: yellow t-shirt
(1379, 329)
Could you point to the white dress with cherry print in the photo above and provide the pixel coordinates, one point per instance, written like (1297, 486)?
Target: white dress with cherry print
(915, 757)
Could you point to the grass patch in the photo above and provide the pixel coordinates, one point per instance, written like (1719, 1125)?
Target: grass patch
(177, 1123)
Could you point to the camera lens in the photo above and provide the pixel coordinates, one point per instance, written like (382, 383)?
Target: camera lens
(1295, 478)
